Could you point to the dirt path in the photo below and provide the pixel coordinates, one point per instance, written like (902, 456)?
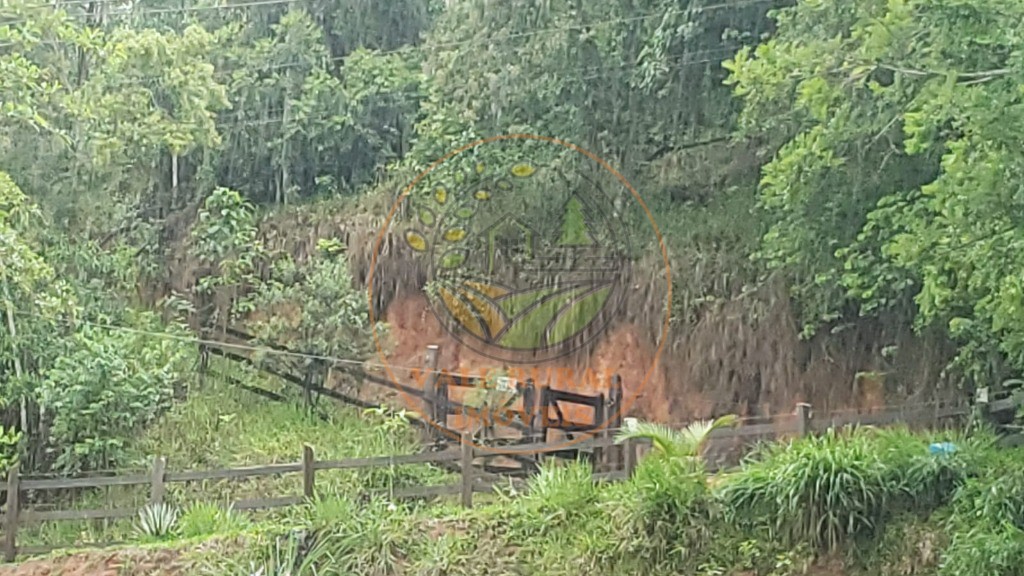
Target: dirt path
(125, 562)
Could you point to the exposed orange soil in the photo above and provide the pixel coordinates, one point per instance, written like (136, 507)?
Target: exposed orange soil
(620, 351)
(726, 363)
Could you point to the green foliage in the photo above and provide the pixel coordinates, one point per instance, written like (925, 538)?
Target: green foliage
(985, 549)
(987, 525)
(225, 236)
(668, 516)
(331, 317)
(833, 489)
(894, 183)
(288, 555)
(557, 496)
(9, 440)
(87, 389)
(105, 388)
(686, 444)
(208, 519)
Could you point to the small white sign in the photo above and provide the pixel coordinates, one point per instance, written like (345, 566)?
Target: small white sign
(983, 395)
(506, 384)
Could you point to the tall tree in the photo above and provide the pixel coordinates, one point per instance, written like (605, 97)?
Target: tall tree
(895, 189)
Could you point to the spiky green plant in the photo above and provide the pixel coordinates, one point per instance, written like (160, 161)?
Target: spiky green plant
(686, 444)
(157, 520)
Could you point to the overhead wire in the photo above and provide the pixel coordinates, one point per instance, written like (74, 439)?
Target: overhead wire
(363, 364)
(676, 63)
(218, 343)
(469, 41)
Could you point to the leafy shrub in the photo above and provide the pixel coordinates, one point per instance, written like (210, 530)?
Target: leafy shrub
(997, 500)
(820, 490)
(987, 521)
(665, 517)
(107, 385)
(9, 440)
(206, 518)
(985, 549)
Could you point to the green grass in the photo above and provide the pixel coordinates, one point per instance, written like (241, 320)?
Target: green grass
(875, 499)
(668, 520)
(221, 426)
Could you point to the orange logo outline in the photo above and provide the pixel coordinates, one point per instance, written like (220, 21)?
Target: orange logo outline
(626, 404)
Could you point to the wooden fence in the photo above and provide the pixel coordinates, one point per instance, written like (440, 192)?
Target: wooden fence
(613, 462)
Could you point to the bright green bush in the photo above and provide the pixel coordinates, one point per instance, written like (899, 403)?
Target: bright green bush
(207, 518)
(106, 387)
(819, 490)
(665, 517)
(561, 489)
(985, 549)
(996, 499)
(826, 490)
(9, 440)
(987, 521)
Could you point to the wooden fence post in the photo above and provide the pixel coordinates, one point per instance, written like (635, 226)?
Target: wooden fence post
(603, 414)
(615, 410)
(430, 388)
(11, 518)
(981, 406)
(529, 393)
(308, 471)
(467, 469)
(156, 484)
(803, 419)
(629, 457)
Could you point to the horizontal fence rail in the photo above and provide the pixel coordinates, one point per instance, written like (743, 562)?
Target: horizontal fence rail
(618, 459)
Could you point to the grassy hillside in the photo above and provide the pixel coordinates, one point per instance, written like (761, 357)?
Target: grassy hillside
(864, 502)
(222, 426)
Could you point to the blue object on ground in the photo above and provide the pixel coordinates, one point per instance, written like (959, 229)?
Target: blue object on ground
(942, 448)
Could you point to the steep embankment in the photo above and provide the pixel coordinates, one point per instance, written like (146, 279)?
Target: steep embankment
(741, 355)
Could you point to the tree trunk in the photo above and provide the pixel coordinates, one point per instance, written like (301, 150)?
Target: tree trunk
(16, 353)
(174, 181)
(282, 190)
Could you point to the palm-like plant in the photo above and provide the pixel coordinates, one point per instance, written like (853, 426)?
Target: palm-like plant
(686, 444)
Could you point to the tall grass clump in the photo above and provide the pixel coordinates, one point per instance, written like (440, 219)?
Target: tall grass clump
(664, 516)
(827, 490)
(559, 496)
(292, 554)
(207, 519)
(987, 521)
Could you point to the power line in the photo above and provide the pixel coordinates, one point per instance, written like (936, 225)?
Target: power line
(145, 11)
(680, 62)
(455, 44)
(216, 343)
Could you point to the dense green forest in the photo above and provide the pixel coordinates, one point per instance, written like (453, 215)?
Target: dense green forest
(858, 154)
